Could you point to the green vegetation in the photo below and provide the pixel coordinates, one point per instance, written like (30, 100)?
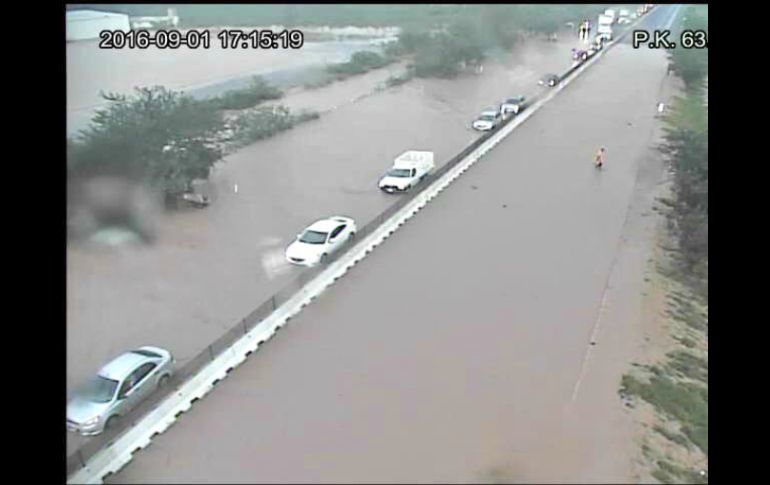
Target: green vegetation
(691, 64)
(158, 135)
(683, 401)
(686, 147)
(359, 63)
(675, 437)
(167, 139)
(667, 472)
(685, 364)
(262, 123)
(678, 387)
(257, 91)
(472, 31)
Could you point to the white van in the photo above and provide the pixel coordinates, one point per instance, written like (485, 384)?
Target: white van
(604, 32)
(408, 170)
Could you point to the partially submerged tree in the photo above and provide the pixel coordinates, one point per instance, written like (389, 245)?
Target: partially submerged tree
(160, 136)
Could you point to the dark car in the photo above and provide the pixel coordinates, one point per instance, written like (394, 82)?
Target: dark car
(550, 80)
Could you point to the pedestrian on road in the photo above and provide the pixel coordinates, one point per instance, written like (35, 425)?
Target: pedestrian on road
(599, 161)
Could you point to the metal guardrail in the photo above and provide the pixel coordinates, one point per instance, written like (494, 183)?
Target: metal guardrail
(78, 459)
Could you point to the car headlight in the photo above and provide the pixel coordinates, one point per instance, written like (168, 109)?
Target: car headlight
(91, 421)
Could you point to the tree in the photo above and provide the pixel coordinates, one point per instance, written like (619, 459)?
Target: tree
(161, 136)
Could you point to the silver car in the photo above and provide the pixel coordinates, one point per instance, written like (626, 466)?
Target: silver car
(117, 388)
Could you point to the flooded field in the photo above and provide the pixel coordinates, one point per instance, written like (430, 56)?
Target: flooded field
(200, 72)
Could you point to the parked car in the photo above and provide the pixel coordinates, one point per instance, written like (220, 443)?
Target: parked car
(408, 169)
(488, 120)
(512, 105)
(550, 80)
(321, 239)
(117, 388)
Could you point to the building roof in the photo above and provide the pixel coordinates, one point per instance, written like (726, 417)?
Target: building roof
(91, 14)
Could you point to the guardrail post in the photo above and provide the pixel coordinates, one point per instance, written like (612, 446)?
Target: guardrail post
(211, 352)
(245, 331)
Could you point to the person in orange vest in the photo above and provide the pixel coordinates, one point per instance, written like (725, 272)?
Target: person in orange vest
(599, 161)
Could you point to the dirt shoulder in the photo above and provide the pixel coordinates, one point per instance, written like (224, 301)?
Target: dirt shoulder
(665, 389)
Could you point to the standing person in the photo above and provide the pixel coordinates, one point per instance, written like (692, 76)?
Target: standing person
(588, 29)
(599, 161)
(582, 31)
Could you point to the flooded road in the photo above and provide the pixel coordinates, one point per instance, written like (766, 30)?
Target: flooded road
(455, 347)
(213, 267)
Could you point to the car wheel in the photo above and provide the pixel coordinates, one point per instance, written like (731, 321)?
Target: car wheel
(324, 257)
(552, 83)
(163, 381)
(112, 422)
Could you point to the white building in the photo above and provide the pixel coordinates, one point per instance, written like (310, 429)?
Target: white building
(86, 24)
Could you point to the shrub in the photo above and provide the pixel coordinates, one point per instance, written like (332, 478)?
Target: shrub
(258, 91)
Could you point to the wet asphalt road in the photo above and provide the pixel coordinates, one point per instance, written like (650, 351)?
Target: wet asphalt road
(455, 346)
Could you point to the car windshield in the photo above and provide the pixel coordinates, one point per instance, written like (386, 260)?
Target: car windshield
(99, 389)
(399, 172)
(487, 118)
(313, 237)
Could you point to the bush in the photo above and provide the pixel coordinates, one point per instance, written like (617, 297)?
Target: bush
(686, 146)
(692, 64)
(258, 91)
(359, 63)
(265, 122)
(685, 402)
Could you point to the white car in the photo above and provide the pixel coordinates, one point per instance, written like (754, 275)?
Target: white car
(488, 120)
(321, 239)
(512, 105)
